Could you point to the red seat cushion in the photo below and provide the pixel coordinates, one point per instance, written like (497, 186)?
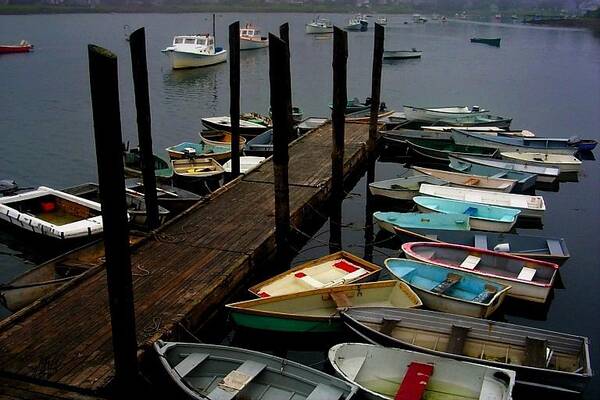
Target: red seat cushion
(415, 381)
(345, 265)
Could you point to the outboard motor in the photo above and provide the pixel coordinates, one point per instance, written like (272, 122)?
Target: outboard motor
(574, 140)
(368, 101)
(8, 187)
(382, 106)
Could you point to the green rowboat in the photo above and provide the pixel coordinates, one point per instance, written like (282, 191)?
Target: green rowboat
(440, 149)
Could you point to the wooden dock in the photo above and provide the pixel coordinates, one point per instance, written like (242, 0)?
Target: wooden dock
(62, 347)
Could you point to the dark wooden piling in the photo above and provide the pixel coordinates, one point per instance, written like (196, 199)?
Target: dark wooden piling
(234, 95)
(284, 33)
(279, 77)
(137, 45)
(213, 27)
(107, 133)
(339, 64)
(369, 210)
(376, 85)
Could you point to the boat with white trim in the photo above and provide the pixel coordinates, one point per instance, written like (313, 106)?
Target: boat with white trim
(192, 51)
(251, 38)
(564, 162)
(319, 25)
(434, 114)
(516, 144)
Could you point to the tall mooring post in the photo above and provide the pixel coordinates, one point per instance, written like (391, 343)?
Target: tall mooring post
(234, 96)
(107, 133)
(279, 77)
(284, 34)
(376, 85)
(137, 45)
(338, 122)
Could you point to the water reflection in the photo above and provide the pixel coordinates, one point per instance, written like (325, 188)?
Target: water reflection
(195, 83)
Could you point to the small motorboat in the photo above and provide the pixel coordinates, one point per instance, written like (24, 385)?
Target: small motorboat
(391, 373)
(389, 221)
(564, 162)
(319, 25)
(198, 150)
(354, 24)
(382, 21)
(403, 188)
(247, 164)
(170, 197)
(434, 114)
(195, 51)
(51, 213)
(530, 279)
(530, 206)
(551, 249)
(335, 269)
(543, 173)
(249, 126)
(447, 290)
(219, 138)
(489, 41)
(316, 310)
(22, 47)
(401, 54)
(189, 171)
(525, 181)
(355, 105)
(482, 217)
(209, 371)
(252, 39)
(461, 180)
(540, 358)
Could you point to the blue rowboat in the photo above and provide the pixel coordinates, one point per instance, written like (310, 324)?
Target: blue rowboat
(483, 217)
(586, 145)
(551, 249)
(198, 150)
(525, 181)
(261, 145)
(443, 289)
(504, 143)
(452, 222)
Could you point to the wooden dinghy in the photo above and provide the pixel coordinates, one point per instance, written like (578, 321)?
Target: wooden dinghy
(389, 221)
(170, 197)
(331, 270)
(51, 213)
(316, 311)
(525, 181)
(403, 188)
(215, 372)
(133, 165)
(447, 290)
(536, 144)
(483, 217)
(530, 206)
(544, 173)
(219, 138)
(470, 181)
(197, 169)
(198, 150)
(540, 358)
(249, 127)
(392, 373)
(530, 279)
(565, 163)
(549, 249)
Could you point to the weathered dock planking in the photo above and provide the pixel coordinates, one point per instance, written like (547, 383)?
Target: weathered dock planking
(182, 274)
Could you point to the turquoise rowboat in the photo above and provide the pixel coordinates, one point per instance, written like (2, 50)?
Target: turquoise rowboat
(446, 290)
(390, 220)
(483, 217)
(316, 311)
(525, 181)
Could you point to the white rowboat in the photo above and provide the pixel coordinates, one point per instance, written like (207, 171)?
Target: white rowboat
(413, 113)
(470, 181)
(564, 163)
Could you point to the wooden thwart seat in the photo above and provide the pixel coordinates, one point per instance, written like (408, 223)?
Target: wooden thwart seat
(236, 381)
(555, 247)
(449, 282)
(456, 342)
(486, 295)
(189, 363)
(340, 299)
(323, 391)
(415, 381)
(481, 241)
(470, 262)
(535, 352)
(388, 325)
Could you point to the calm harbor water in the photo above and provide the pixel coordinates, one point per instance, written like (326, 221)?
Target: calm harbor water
(547, 79)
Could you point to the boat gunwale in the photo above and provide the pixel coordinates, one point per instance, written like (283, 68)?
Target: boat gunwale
(407, 249)
(496, 220)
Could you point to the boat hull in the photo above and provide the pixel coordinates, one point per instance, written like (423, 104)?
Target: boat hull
(564, 168)
(524, 181)
(15, 49)
(432, 115)
(247, 44)
(182, 60)
(401, 55)
(511, 144)
(490, 42)
(389, 221)
(526, 376)
(312, 29)
(543, 173)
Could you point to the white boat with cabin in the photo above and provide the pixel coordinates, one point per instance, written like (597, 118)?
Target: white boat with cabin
(319, 25)
(194, 51)
(530, 206)
(251, 38)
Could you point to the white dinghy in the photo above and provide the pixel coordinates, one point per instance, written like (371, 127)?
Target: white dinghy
(530, 206)
(388, 373)
(565, 163)
(52, 213)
